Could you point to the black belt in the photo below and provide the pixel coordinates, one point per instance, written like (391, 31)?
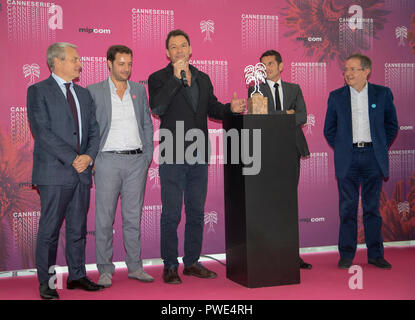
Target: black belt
(136, 151)
(362, 144)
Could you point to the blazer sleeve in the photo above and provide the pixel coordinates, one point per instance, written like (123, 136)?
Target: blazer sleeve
(147, 140)
(216, 110)
(330, 123)
(161, 92)
(391, 120)
(300, 107)
(93, 129)
(40, 125)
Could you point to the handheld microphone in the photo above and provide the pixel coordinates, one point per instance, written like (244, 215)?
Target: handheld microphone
(184, 79)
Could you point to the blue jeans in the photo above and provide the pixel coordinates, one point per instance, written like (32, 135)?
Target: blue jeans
(177, 180)
(364, 173)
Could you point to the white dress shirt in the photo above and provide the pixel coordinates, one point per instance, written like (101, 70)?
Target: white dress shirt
(123, 134)
(360, 115)
(271, 86)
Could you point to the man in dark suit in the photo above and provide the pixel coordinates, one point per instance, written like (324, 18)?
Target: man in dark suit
(66, 135)
(285, 98)
(360, 126)
(183, 98)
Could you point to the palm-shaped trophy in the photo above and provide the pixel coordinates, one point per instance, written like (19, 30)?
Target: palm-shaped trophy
(257, 103)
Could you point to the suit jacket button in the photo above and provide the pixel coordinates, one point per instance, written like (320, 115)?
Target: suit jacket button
(74, 133)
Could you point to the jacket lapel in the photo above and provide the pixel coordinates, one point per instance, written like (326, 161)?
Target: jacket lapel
(134, 99)
(372, 98)
(266, 90)
(60, 97)
(348, 108)
(285, 95)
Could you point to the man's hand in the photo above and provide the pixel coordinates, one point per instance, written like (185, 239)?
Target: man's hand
(180, 65)
(81, 162)
(291, 111)
(237, 105)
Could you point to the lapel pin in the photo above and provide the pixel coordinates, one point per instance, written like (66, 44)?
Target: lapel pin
(134, 96)
(373, 106)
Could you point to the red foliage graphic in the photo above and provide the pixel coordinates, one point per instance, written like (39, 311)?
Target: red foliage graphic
(411, 35)
(398, 214)
(16, 198)
(321, 18)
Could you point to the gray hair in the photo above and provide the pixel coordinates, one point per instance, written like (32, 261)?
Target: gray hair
(57, 50)
(365, 61)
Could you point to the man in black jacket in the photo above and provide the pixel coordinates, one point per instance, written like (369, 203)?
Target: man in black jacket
(183, 98)
(285, 98)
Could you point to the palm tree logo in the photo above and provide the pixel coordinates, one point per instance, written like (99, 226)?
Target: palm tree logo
(257, 74)
(404, 210)
(207, 27)
(311, 122)
(401, 33)
(211, 218)
(32, 71)
(153, 173)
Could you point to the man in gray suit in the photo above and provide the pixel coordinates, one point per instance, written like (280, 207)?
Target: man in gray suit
(125, 153)
(285, 98)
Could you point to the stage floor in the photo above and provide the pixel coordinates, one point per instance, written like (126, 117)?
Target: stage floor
(324, 282)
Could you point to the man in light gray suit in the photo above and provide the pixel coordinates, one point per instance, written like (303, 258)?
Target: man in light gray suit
(125, 153)
(285, 98)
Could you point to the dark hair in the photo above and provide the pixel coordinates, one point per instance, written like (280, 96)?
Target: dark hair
(113, 50)
(175, 33)
(365, 61)
(272, 53)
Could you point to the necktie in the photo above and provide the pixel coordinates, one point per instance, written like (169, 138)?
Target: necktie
(72, 105)
(277, 98)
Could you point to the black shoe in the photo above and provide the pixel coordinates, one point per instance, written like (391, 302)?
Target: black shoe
(305, 265)
(380, 263)
(345, 263)
(171, 276)
(84, 284)
(197, 270)
(47, 293)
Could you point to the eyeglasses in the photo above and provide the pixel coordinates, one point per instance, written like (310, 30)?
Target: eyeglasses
(352, 70)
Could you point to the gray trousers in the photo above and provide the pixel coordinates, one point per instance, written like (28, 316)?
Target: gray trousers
(125, 176)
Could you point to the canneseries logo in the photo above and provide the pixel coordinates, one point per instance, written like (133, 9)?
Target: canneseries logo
(207, 27)
(31, 72)
(153, 174)
(211, 218)
(28, 20)
(401, 33)
(311, 122)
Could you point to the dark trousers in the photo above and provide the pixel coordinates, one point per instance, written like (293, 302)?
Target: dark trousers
(178, 181)
(365, 174)
(58, 203)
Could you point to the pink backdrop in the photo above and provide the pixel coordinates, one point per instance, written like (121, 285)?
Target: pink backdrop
(313, 36)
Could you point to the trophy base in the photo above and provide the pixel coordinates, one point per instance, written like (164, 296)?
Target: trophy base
(258, 104)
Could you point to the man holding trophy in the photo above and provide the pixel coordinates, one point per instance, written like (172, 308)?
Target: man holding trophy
(275, 96)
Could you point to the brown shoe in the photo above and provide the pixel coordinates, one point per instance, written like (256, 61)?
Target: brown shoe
(197, 270)
(171, 276)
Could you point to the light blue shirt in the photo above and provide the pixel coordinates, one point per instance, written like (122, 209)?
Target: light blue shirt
(61, 84)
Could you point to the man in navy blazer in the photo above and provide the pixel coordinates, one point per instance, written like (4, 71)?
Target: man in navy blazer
(66, 140)
(360, 125)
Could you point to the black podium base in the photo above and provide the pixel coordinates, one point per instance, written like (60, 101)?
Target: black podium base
(261, 210)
